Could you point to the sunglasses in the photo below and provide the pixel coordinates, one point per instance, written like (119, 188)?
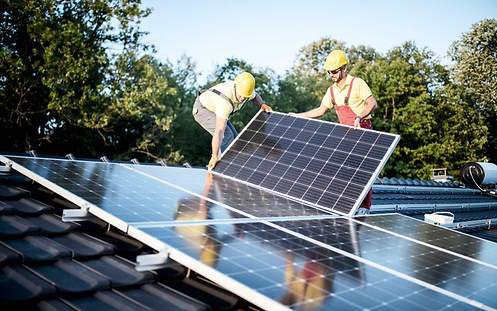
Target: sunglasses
(334, 72)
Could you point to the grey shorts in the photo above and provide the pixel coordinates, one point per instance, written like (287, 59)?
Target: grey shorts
(207, 119)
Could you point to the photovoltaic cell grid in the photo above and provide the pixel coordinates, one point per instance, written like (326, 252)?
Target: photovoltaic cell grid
(322, 163)
(299, 273)
(271, 259)
(243, 197)
(138, 198)
(482, 250)
(123, 193)
(436, 267)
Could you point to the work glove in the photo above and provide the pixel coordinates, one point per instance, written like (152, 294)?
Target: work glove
(266, 108)
(357, 122)
(213, 161)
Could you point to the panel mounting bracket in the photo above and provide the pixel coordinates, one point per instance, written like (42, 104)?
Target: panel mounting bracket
(152, 261)
(71, 214)
(6, 168)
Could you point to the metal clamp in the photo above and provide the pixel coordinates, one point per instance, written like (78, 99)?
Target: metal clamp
(152, 261)
(135, 161)
(72, 214)
(6, 168)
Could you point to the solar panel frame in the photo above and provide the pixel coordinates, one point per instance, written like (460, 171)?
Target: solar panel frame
(283, 170)
(241, 289)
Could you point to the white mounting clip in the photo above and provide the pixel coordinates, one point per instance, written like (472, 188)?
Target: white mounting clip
(152, 261)
(135, 161)
(72, 214)
(6, 168)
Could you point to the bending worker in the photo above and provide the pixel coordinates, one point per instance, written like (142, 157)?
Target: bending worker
(213, 107)
(352, 100)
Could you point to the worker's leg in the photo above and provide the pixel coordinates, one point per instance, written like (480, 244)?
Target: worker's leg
(204, 117)
(229, 135)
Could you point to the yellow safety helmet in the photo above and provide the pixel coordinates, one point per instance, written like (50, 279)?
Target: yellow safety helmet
(335, 60)
(245, 84)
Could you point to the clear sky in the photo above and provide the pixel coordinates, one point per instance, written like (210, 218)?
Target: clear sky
(270, 33)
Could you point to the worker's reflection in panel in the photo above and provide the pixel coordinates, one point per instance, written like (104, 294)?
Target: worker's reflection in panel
(310, 285)
(203, 238)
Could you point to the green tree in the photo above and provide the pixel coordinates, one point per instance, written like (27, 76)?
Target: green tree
(475, 71)
(72, 70)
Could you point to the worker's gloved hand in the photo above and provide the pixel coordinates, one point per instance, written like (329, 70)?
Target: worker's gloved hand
(213, 161)
(293, 114)
(357, 122)
(266, 108)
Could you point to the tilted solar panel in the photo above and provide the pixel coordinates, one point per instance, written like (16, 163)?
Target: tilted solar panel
(322, 163)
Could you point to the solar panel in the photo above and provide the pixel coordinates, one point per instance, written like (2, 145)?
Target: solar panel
(319, 264)
(436, 267)
(457, 242)
(296, 272)
(243, 197)
(322, 163)
(121, 195)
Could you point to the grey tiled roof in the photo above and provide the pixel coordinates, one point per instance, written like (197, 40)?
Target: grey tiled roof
(47, 264)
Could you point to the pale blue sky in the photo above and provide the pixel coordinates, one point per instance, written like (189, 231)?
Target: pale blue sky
(270, 33)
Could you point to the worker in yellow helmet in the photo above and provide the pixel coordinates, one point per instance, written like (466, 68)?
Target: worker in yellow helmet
(213, 107)
(351, 98)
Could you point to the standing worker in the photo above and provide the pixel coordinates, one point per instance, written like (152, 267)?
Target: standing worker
(352, 100)
(213, 107)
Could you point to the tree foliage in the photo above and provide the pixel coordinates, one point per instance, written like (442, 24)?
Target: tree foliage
(77, 71)
(475, 71)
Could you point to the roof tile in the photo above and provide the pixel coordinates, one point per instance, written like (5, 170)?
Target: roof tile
(70, 276)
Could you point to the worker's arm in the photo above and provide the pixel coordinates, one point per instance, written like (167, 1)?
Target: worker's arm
(258, 101)
(314, 113)
(371, 106)
(217, 137)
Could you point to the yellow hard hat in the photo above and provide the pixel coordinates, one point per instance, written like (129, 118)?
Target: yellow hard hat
(335, 60)
(245, 84)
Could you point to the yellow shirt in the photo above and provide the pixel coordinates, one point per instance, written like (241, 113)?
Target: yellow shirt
(357, 101)
(217, 104)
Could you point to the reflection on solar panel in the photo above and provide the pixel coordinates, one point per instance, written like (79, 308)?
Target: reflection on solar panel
(457, 242)
(296, 272)
(120, 192)
(243, 197)
(322, 163)
(436, 267)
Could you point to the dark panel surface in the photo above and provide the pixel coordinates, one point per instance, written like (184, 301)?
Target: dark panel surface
(460, 243)
(126, 194)
(456, 274)
(243, 197)
(296, 272)
(322, 163)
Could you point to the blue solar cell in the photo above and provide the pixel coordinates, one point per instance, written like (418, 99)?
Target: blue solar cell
(318, 162)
